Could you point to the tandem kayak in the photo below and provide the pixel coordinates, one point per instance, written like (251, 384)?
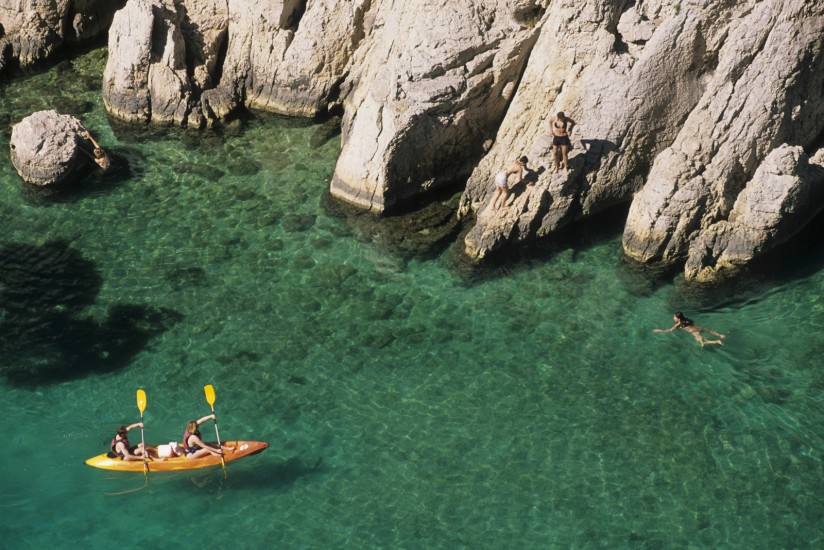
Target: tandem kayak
(236, 450)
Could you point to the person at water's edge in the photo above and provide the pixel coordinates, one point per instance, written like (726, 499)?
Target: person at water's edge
(98, 155)
(688, 325)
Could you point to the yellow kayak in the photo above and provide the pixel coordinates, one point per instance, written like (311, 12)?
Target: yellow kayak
(237, 449)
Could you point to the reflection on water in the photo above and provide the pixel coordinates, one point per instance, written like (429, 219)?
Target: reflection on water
(409, 399)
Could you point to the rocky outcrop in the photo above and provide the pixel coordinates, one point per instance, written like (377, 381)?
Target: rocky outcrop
(677, 103)
(191, 62)
(627, 78)
(161, 55)
(32, 31)
(45, 148)
(785, 193)
(766, 91)
(424, 98)
(288, 56)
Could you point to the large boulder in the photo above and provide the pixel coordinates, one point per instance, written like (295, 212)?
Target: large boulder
(785, 193)
(147, 76)
(192, 62)
(423, 98)
(45, 148)
(766, 90)
(288, 56)
(34, 30)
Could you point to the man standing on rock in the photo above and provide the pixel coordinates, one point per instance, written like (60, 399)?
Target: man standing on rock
(561, 127)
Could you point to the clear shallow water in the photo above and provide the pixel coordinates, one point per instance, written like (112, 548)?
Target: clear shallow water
(406, 404)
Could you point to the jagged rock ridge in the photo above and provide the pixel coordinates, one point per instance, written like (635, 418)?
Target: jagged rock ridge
(677, 104)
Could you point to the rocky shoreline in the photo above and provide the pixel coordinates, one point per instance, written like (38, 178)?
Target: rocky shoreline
(704, 117)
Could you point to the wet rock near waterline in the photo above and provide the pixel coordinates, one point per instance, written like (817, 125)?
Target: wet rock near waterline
(244, 167)
(45, 335)
(72, 106)
(205, 171)
(36, 30)
(186, 277)
(422, 233)
(325, 132)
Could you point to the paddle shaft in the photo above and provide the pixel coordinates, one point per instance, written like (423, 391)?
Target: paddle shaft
(141, 406)
(143, 444)
(217, 435)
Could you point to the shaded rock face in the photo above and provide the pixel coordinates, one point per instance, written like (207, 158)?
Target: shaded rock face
(784, 194)
(32, 31)
(45, 148)
(677, 104)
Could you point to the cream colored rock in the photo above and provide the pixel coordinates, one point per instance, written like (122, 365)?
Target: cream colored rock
(288, 56)
(34, 30)
(154, 47)
(627, 107)
(766, 90)
(427, 87)
(785, 193)
(216, 55)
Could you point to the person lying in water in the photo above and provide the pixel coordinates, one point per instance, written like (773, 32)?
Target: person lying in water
(193, 445)
(121, 447)
(688, 325)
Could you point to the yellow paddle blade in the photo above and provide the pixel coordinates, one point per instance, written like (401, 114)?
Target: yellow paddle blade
(210, 394)
(141, 400)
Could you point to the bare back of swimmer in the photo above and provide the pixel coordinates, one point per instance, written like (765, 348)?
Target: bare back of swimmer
(683, 323)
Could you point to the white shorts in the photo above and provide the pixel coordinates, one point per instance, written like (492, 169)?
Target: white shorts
(500, 180)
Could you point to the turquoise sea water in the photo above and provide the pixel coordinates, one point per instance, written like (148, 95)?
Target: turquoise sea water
(409, 402)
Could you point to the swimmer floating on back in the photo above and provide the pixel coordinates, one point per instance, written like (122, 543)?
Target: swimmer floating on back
(688, 325)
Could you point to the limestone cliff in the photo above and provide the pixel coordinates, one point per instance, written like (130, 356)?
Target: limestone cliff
(34, 30)
(677, 104)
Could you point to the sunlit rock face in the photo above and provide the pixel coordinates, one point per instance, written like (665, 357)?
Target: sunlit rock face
(45, 148)
(676, 104)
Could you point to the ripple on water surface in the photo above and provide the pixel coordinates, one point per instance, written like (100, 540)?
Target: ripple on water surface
(408, 402)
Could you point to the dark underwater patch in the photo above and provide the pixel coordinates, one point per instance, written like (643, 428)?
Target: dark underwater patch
(45, 336)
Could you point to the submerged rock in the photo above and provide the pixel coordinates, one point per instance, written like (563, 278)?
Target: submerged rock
(45, 148)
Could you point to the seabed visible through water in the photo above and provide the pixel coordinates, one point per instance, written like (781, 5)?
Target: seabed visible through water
(407, 402)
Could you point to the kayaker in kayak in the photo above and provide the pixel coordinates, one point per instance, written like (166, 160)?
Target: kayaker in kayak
(121, 447)
(193, 445)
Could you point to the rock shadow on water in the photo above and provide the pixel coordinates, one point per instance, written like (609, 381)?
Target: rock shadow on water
(128, 165)
(577, 237)
(45, 336)
(422, 232)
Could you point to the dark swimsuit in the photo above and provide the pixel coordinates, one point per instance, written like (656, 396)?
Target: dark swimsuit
(561, 140)
(193, 449)
(113, 446)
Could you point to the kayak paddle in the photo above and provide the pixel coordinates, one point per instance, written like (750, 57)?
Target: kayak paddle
(141, 405)
(210, 397)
